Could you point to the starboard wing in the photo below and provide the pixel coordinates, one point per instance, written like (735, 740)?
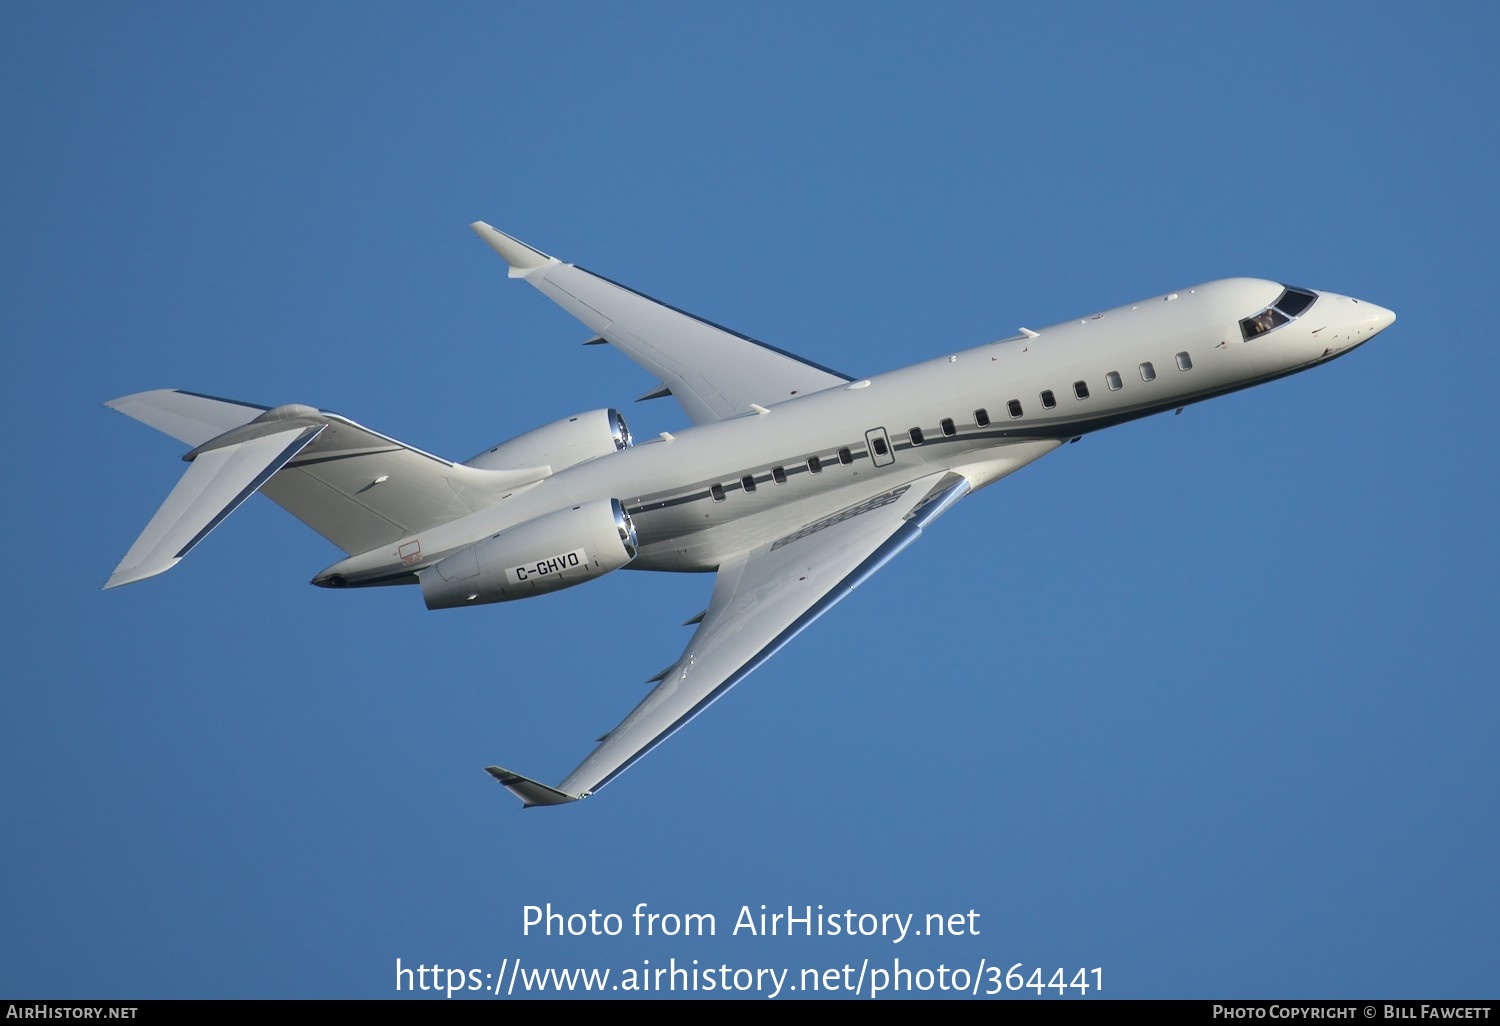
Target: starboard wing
(715, 373)
(761, 600)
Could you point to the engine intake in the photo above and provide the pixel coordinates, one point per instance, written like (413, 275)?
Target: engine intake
(555, 551)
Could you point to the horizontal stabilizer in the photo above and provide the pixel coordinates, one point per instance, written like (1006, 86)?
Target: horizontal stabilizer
(530, 791)
(215, 484)
(356, 487)
(186, 416)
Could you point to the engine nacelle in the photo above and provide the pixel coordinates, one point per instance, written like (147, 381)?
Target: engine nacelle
(554, 551)
(559, 445)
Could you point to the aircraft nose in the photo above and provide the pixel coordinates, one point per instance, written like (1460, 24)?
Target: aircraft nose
(1350, 322)
(1371, 317)
(1366, 320)
(1372, 320)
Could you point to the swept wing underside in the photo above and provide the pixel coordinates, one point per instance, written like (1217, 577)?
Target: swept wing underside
(761, 600)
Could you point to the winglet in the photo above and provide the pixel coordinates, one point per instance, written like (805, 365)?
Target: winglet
(530, 791)
(517, 254)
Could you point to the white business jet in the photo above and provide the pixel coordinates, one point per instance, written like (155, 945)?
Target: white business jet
(793, 485)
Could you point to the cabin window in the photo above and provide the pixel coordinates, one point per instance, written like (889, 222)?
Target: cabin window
(748, 483)
(1148, 372)
(917, 438)
(814, 465)
(1049, 401)
(948, 427)
(1014, 406)
(982, 418)
(1081, 389)
(1113, 380)
(717, 491)
(778, 474)
(846, 457)
(1184, 362)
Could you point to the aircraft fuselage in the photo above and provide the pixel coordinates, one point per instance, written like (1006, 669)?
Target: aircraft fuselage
(712, 490)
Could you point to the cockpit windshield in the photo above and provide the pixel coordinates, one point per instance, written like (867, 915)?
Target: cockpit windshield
(1290, 305)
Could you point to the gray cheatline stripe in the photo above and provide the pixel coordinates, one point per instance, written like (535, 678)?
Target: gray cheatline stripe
(1060, 429)
(650, 504)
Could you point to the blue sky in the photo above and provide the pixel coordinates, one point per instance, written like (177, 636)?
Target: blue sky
(1207, 702)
